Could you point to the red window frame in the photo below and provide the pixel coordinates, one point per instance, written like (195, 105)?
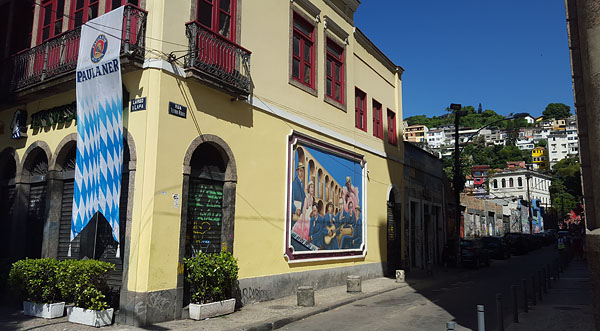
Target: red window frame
(50, 18)
(217, 16)
(361, 109)
(377, 120)
(86, 7)
(110, 4)
(334, 72)
(392, 135)
(304, 53)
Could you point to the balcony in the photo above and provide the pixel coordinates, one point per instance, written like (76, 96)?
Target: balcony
(217, 61)
(54, 61)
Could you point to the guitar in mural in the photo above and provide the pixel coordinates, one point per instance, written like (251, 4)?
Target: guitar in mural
(338, 234)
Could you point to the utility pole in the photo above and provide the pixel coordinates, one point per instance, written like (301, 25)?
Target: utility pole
(528, 176)
(457, 181)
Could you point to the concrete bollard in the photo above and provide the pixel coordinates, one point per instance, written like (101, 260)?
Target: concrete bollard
(399, 276)
(515, 303)
(450, 326)
(480, 318)
(353, 284)
(540, 288)
(499, 312)
(526, 304)
(546, 281)
(533, 289)
(306, 296)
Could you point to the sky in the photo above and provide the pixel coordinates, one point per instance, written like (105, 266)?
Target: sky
(512, 56)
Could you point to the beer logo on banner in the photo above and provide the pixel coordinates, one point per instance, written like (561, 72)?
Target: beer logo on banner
(99, 48)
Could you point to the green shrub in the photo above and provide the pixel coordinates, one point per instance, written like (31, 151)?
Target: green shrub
(83, 282)
(35, 280)
(211, 277)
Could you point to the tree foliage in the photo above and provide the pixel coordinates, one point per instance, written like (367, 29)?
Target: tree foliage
(473, 119)
(565, 190)
(477, 153)
(556, 110)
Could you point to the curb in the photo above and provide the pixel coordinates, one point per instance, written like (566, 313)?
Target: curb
(280, 322)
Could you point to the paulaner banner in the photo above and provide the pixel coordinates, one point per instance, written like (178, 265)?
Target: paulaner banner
(99, 155)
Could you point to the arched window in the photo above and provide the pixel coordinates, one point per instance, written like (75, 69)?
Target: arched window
(511, 182)
(503, 182)
(495, 183)
(520, 181)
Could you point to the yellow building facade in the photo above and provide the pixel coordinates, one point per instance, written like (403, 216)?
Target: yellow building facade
(539, 156)
(239, 131)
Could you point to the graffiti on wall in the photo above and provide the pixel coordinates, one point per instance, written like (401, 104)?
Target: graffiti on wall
(325, 201)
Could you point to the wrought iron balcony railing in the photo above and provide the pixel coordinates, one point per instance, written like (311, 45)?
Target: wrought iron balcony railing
(217, 60)
(57, 57)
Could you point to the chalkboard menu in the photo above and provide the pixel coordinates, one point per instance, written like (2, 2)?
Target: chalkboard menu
(205, 212)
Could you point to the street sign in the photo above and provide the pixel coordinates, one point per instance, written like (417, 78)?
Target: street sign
(177, 110)
(138, 104)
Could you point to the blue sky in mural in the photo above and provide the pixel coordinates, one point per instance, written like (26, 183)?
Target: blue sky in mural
(338, 167)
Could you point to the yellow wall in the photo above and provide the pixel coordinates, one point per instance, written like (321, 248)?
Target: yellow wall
(256, 137)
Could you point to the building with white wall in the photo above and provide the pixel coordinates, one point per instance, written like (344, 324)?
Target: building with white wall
(436, 138)
(513, 184)
(558, 147)
(525, 144)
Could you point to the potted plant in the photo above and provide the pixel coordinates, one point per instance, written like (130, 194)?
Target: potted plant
(83, 282)
(212, 278)
(34, 280)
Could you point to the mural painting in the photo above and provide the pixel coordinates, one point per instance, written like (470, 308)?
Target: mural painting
(325, 201)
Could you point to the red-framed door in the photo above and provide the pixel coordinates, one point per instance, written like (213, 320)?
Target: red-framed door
(49, 26)
(134, 21)
(82, 11)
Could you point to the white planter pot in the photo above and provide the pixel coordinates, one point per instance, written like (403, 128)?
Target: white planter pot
(213, 309)
(45, 310)
(90, 317)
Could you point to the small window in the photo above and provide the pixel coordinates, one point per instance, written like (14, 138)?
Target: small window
(334, 72)
(392, 135)
(361, 109)
(503, 182)
(303, 52)
(377, 120)
(511, 183)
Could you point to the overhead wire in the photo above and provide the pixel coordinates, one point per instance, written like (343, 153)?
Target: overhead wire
(169, 57)
(90, 24)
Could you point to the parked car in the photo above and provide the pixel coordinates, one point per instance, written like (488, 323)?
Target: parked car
(473, 253)
(497, 247)
(517, 243)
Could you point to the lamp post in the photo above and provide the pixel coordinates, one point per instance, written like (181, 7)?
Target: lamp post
(456, 180)
(457, 167)
(529, 218)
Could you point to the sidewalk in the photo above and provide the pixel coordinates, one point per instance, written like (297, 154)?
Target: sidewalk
(267, 315)
(566, 306)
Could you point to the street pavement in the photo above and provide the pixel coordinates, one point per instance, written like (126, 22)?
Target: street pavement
(566, 306)
(429, 306)
(421, 303)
